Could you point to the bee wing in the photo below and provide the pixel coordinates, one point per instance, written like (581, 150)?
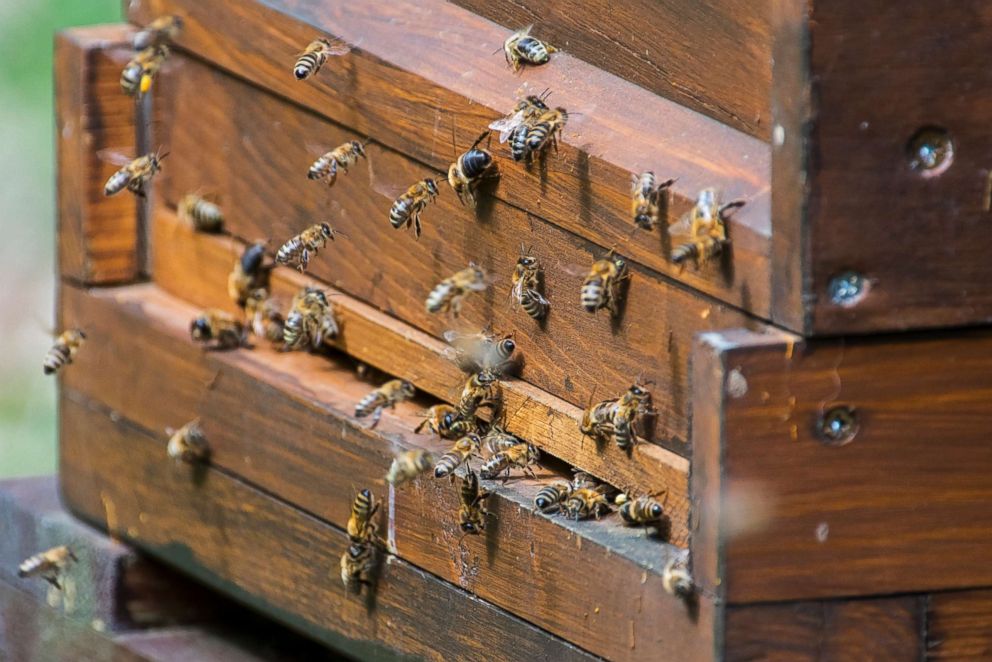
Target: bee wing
(339, 47)
(507, 124)
(114, 156)
(681, 227)
(388, 189)
(318, 149)
(576, 270)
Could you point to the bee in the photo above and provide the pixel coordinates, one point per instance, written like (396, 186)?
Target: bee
(706, 225)
(481, 390)
(522, 455)
(526, 281)
(446, 422)
(264, 318)
(646, 198)
(546, 130)
(297, 250)
(640, 511)
(217, 327)
(520, 48)
(163, 29)
(387, 395)
(597, 420)
(361, 528)
(203, 215)
(408, 465)
(140, 71)
(468, 170)
(357, 563)
(601, 288)
(497, 440)
(550, 498)
(250, 273)
(481, 351)
(316, 54)
(63, 352)
(135, 175)
(188, 443)
(631, 405)
(585, 502)
(326, 167)
(49, 565)
(407, 208)
(472, 513)
(524, 112)
(310, 322)
(447, 295)
(460, 452)
(676, 580)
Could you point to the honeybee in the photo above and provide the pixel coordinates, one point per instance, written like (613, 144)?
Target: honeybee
(298, 249)
(585, 502)
(526, 283)
(546, 130)
(646, 198)
(49, 565)
(361, 528)
(220, 329)
(316, 54)
(520, 48)
(676, 580)
(460, 452)
(250, 273)
(135, 175)
(497, 440)
(634, 403)
(446, 422)
(468, 170)
(514, 126)
(481, 390)
(601, 288)
(264, 318)
(311, 321)
(407, 208)
(203, 215)
(163, 29)
(476, 352)
(447, 295)
(521, 456)
(63, 352)
(140, 71)
(472, 513)
(408, 465)
(188, 443)
(640, 511)
(706, 226)
(597, 420)
(387, 395)
(550, 498)
(344, 156)
(357, 563)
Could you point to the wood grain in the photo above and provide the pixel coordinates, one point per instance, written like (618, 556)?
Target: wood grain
(406, 80)
(959, 626)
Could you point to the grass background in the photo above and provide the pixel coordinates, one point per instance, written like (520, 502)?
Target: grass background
(27, 223)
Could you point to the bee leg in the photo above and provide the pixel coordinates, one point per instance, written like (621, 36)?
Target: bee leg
(417, 229)
(376, 415)
(54, 581)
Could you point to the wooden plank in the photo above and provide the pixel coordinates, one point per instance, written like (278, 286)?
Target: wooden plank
(660, 46)
(96, 235)
(271, 556)
(322, 456)
(407, 103)
(959, 626)
(902, 507)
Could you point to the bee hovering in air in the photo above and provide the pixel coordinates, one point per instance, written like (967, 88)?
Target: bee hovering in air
(521, 456)
(162, 30)
(482, 390)
(460, 452)
(476, 352)
(706, 226)
(447, 295)
(203, 215)
(641, 511)
(139, 73)
(407, 208)
(646, 199)
(218, 330)
(387, 395)
(527, 284)
(601, 288)
(408, 465)
(344, 156)
(298, 250)
(586, 502)
(250, 273)
(545, 131)
(316, 54)
(50, 565)
(263, 315)
(188, 443)
(472, 513)
(311, 321)
(468, 170)
(63, 352)
(676, 580)
(445, 422)
(135, 175)
(520, 49)
(551, 498)
(632, 406)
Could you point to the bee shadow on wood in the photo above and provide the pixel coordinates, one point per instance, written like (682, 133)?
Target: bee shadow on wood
(492, 530)
(198, 472)
(726, 261)
(370, 585)
(622, 289)
(485, 199)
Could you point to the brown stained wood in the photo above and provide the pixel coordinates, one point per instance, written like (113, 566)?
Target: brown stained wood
(96, 235)
(959, 626)
(714, 57)
(407, 79)
(282, 423)
(268, 554)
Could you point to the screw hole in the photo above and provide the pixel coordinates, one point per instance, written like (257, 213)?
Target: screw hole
(837, 426)
(930, 151)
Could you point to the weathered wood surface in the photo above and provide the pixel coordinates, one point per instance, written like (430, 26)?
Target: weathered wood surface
(959, 626)
(714, 57)
(406, 80)
(246, 400)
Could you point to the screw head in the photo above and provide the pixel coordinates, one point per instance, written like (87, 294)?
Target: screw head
(930, 151)
(847, 289)
(838, 425)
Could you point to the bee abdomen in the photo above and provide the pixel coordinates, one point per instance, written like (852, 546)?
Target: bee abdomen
(368, 404)
(438, 296)
(292, 331)
(308, 65)
(57, 357)
(537, 136)
(518, 143)
(533, 50)
(131, 78)
(685, 252)
(206, 216)
(534, 304)
(494, 466)
(549, 498)
(475, 162)
(447, 464)
(323, 167)
(116, 183)
(592, 295)
(289, 251)
(400, 212)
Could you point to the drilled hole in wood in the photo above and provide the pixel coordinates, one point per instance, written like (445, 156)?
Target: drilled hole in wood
(930, 151)
(837, 426)
(848, 288)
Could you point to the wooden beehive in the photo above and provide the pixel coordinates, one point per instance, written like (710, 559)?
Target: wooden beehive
(808, 111)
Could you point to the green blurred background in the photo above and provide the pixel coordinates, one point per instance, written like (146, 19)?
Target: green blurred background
(27, 221)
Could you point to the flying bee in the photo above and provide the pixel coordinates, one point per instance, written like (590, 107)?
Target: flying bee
(601, 288)
(188, 443)
(460, 452)
(408, 465)
(63, 352)
(250, 273)
(203, 215)
(706, 226)
(646, 198)
(585, 502)
(361, 527)
(344, 156)
(138, 74)
(633, 404)
(316, 54)
(546, 130)
(134, 175)
(218, 330)
(468, 170)
(475, 352)
(263, 315)
(676, 579)
(550, 498)
(520, 49)
(297, 251)
(357, 563)
(472, 513)
(526, 281)
(49, 565)
(407, 208)
(497, 440)
(521, 456)
(640, 511)
(160, 31)
(447, 295)
(387, 395)
(482, 389)
(311, 321)
(446, 422)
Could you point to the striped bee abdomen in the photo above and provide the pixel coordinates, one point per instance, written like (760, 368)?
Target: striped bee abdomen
(532, 50)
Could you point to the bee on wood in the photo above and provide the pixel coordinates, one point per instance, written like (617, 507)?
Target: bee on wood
(326, 167)
(633, 404)
(140, 71)
(135, 175)
(311, 321)
(476, 352)
(160, 31)
(447, 295)
(361, 528)
(387, 395)
(460, 452)
(481, 390)
(218, 330)
(514, 127)
(250, 273)
(472, 513)
(468, 170)
(407, 208)
(520, 49)
(706, 226)
(63, 352)
(203, 215)
(263, 315)
(545, 131)
(551, 498)
(526, 281)
(188, 443)
(408, 465)
(297, 251)
(357, 564)
(445, 421)
(676, 580)
(497, 440)
(646, 199)
(49, 565)
(585, 502)
(640, 511)
(597, 420)
(601, 288)
(521, 456)
(316, 54)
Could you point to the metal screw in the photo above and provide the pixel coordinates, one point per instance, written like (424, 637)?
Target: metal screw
(848, 288)
(838, 425)
(930, 151)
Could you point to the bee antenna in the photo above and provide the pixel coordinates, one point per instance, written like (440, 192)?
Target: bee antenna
(497, 50)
